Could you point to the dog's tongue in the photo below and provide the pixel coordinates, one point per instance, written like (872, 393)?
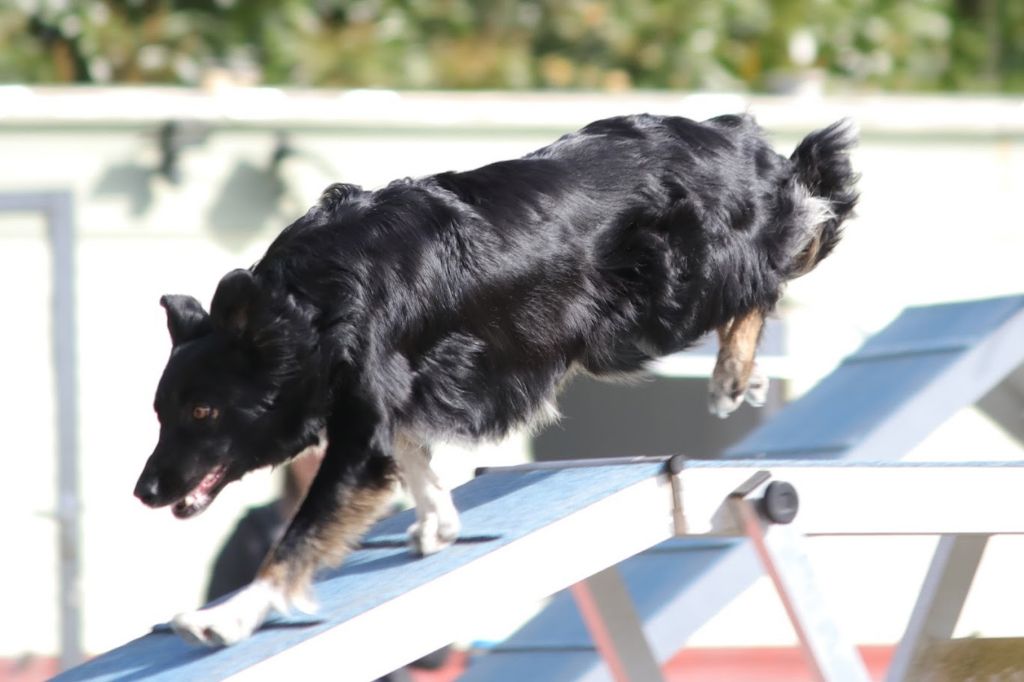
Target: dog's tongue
(200, 497)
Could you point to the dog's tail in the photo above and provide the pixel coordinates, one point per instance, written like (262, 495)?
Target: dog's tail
(823, 171)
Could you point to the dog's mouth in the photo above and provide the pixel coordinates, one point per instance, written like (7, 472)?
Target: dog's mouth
(202, 495)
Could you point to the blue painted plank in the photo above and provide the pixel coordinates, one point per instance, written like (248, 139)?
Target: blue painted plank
(563, 628)
(841, 410)
(887, 372)
(947, 327)
(530, 666)
(559, 640)
(496, 509)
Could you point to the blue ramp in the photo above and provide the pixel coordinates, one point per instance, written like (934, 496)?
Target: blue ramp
(900, 385)
(905, 381)
(386, 607)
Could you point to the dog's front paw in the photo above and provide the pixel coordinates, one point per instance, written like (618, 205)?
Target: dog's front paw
(433, 533)
(728, 388)
(757, 388)
(722, 404)
(232, 620)
(214, 627)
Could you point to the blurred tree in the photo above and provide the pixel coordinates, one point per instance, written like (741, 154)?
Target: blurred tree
(768, 45)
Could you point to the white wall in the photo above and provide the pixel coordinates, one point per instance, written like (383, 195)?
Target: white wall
(940, 220)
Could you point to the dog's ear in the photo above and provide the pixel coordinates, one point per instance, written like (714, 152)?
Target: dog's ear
(186, 319)
(233, 303)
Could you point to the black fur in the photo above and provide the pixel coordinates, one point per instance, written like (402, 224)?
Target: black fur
(454, 305)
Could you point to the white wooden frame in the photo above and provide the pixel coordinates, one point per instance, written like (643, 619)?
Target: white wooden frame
(836, 498)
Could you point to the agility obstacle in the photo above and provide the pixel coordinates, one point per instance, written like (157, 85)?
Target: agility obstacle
(904, 382)
(532, 530)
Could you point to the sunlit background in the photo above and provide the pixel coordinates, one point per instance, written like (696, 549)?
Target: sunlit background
(163, 143)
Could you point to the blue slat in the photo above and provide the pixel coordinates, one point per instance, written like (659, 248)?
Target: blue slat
(868, 392)
(563, 628)
(660, 581)
(531, 666)
(948, 327)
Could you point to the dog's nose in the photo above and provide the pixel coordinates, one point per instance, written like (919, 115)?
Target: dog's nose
(148, 490)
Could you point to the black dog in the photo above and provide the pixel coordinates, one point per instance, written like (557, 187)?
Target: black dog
(454, 306)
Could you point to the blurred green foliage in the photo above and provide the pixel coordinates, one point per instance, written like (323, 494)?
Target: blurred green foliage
(765, 45)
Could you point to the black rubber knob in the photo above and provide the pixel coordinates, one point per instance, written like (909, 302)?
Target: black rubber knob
(676, 464)
(780, 502)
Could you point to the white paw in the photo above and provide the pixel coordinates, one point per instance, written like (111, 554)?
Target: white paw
(722, 405)
(213, 627)
(757, 388)
(232, 620)
(726, 392)
(432, 533)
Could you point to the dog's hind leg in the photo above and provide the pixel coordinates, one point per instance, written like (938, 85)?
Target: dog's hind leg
(437, 521)
(349, 493)
(736, 376)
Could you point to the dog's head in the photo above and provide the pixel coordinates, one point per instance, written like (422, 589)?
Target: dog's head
(229, 400)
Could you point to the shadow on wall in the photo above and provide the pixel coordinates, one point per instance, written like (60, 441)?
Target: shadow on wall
(130, 180)
(249, 197)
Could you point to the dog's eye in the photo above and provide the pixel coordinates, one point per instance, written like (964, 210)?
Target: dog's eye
(201, 412)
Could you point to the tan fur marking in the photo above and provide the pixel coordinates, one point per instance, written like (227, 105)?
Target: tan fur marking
(329, 544)
(737, 348)
(723, 334)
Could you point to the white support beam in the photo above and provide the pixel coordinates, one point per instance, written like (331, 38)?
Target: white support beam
(940, 601)
(839, 497)
(866, 499)
(608, 612)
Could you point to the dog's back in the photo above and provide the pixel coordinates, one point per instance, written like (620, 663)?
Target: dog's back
(656, 229)
(627, 240)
